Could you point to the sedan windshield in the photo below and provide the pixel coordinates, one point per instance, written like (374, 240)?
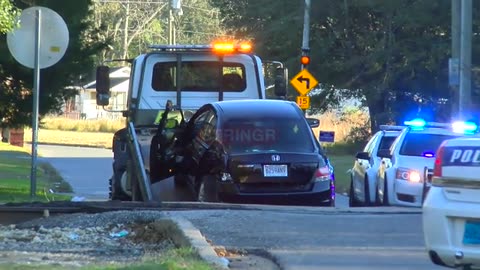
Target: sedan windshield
(417, 144)
(266, 134)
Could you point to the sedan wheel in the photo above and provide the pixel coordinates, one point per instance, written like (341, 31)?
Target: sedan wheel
(207, 190)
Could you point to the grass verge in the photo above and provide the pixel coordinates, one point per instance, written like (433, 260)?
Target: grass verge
(92, 139)
(15, 168)
(184, 258)
(341, 164)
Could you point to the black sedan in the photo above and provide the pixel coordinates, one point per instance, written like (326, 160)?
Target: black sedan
(254, 151)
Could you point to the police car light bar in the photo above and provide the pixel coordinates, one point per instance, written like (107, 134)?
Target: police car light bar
(464, 127)
(392, 128)
(417, 122)
(420, 123)
(458, 126)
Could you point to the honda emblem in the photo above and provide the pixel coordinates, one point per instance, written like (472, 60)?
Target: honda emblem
(275, 158)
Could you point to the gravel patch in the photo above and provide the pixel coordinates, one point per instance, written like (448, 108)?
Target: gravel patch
(76, 240)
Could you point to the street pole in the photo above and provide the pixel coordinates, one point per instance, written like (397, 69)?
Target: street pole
(306, 36)
(36, 89)
(465, 59)
(170, 27)
(456, 11)
(306, 31)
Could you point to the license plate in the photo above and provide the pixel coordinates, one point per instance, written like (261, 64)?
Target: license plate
(471, 235)
(275, 170)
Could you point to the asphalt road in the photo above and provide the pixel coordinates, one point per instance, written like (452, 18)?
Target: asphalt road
(87, 170)
(304, 240)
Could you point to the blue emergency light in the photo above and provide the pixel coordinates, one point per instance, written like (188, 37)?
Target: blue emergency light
(428, 154)
(417, 122)
(464, 127)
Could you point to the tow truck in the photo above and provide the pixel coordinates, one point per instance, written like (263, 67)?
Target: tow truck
(190, 75)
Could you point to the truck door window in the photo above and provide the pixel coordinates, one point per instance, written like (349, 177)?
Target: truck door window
(200, 76)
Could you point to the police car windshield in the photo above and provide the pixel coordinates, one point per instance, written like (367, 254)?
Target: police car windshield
(266, 134)
(416, 144)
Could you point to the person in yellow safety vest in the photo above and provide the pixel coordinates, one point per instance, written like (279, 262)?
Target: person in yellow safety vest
(173, 119)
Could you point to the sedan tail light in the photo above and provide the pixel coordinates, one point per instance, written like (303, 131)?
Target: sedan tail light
(322, 174)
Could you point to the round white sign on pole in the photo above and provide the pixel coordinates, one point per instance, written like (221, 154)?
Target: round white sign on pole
(54, 38)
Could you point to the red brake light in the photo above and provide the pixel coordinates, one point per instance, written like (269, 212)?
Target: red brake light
(437, 168)
(322, 174)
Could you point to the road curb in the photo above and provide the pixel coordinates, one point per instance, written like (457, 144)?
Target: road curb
(199, 243)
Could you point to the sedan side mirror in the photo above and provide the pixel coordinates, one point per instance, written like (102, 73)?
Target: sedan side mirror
(313, 122)
(363, 155)
(384, 153)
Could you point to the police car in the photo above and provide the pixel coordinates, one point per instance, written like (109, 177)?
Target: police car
(451, 211)
(363, 173)
(402, 177)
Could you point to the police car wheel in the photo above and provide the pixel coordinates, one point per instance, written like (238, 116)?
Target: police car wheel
(385, 200)
(366, 186)
(352, 201)
(377, 196)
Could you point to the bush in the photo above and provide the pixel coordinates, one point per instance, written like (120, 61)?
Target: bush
(344, 148)
(65, 124)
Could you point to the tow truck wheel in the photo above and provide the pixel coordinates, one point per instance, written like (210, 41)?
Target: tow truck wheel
(207, 190)
(116, 192)
(136, 192)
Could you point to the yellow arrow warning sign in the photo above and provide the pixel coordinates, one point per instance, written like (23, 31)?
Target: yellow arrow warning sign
(304, 82)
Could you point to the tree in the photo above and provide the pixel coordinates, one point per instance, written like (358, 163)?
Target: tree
(8, 15)
(16, 80)
(391, 54)
(132, 26)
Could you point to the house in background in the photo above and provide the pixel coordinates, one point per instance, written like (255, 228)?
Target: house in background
(84, 105)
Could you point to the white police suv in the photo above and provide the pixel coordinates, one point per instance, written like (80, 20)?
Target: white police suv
(451, 211)
(402, 177)
(363, 173)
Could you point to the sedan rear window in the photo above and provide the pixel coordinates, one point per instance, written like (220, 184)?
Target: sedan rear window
(266, 134)
(416, 144)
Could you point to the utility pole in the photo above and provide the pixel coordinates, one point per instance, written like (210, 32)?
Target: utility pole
(175, 5)
(465, 59)
(170, 27)
(125, 34)
(305, 58)
(455, 58)
(306, 32)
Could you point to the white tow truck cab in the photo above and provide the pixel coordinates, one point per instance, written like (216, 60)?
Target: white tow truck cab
(188, 76)
(451, 211)
(405, 169)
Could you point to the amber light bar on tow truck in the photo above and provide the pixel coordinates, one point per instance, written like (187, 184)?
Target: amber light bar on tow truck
(216, 47)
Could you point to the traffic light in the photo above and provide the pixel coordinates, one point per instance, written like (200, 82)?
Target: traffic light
(305, 60)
